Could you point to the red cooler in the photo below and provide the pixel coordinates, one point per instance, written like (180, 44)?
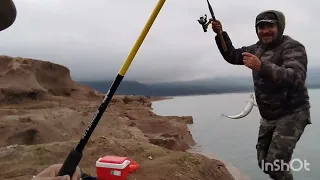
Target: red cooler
(112, 168)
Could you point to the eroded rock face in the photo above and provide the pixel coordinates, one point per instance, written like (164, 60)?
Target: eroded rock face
(170, 131)
(166, 133)
(50, 131)
(156, 163)
(185, 119)
(36, 134)
(29, 79)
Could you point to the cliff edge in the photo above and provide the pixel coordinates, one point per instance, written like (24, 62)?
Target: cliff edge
(44, 113)
(22, 78)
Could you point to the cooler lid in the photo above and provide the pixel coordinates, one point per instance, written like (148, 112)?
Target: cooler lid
(113, 159)
(114, 162)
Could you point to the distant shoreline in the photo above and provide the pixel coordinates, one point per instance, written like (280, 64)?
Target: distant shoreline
(178, 89)
(205, 94)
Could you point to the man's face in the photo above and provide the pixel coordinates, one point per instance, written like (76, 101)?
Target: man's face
(267, 32)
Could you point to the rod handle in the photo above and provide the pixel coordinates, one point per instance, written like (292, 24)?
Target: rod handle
(70, 164)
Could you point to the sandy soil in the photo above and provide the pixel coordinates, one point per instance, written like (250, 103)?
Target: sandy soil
(43, 114)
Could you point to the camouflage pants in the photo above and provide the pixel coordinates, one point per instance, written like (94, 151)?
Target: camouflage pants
(276, 141)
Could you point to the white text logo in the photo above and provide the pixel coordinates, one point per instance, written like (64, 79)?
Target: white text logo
(280, 165)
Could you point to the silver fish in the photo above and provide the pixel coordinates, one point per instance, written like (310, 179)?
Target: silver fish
(246, 111)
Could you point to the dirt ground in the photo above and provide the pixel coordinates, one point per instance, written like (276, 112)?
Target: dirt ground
(41, 121)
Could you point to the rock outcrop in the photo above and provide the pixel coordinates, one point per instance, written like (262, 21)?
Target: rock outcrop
(38, 133)
(22, 79)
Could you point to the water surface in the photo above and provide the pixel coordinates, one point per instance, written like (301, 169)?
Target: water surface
(234, 140)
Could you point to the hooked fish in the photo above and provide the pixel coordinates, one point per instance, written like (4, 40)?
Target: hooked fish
(246, 111)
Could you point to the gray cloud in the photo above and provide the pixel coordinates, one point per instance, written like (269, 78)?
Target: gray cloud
(94, 39)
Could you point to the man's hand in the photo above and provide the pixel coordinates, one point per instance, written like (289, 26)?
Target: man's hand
(216, 26)
(52, 171)
(251, 61)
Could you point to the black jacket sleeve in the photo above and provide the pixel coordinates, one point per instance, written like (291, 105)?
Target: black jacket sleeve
(233, 55)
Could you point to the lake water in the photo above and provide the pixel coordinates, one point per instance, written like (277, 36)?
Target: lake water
(234, 140)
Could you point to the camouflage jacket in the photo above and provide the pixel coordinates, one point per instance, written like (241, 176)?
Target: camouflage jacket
(280, 84)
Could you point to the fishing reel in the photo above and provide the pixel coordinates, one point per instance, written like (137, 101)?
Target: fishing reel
(204, 22)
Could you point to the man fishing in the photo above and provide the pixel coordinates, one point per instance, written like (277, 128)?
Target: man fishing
(279, 68)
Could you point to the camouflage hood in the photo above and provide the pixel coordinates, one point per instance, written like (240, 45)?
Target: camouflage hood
(279, 16)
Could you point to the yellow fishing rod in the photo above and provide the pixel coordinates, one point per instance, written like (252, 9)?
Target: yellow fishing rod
(74, 157)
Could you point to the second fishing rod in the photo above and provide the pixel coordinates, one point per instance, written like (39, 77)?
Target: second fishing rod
(205, 23)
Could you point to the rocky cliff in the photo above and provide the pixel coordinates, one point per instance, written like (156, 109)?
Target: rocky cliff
(22, 79)
(44, 113)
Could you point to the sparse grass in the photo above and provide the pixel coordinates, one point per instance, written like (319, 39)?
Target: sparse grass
(15, 98)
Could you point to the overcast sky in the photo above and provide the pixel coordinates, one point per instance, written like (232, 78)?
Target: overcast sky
(94, 39)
